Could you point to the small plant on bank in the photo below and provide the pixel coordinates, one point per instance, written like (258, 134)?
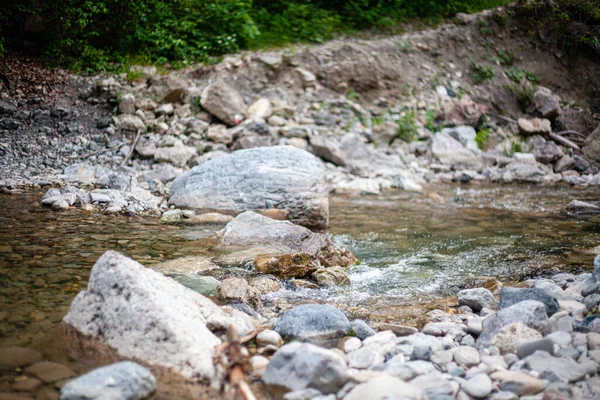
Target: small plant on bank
(352, 95)
(430, 125)
(482, 137)
(533, 78)
(403, 46)
(505, 57)
(407, 129)
(515, 147)
(515, 74)
(377, 120)
(482, 73)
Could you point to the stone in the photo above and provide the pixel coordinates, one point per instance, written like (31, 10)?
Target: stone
(258, 179)
(477, 299)
(361, 329)
(308, 78)
(582, 207)
(224, 102)
(6, 108)
(592, 301)
(185, 266)
(144, 315)
(251, 229)
(171, 216)
(508, 339)
(328, 149)
(298, 366)
(176, 155)
(17, 357)
(450, 151)
(564, 163)
(383, 342)
(511, 296)
(205, 285)
(399, 330)
(219, 134)
(566, 369)
(479, 386)
(261, 109)
(273, 60)
(591, 147)
(465, 135)
(164, 109)
(320, 324)
(294, 265)
(534, 126)
(269, 337)
(531, 346)
(596, 273)
(364, 358)
(421, 353)
(127, 104)
(26, 385)
(545, 151)
(466, 356)
(348, 344)
(129, 122)
(125, 380)
(161, 127)
(518, 382)
(49, 372)
(463, 112)
(593, 339)
(546, 103)
(258, 365)
(434, 386)
(209, 218)
(265, 284)
(406, 371)
(384, 388)
(331, 276)
(237, 289)
(529, 312)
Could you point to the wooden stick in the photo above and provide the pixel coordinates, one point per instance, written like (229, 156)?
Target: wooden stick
(562, 140)
(139, 132)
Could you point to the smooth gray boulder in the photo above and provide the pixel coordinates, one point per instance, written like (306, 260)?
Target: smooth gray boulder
(124, 380)
(258, 179)
(251, 229)
(320, 324)
(564, 368)
(529, 312)
(465, 135)
(477, 299)
(510, 296)
(450, 151)
(143, 314)
(385, 388)
(298, 366)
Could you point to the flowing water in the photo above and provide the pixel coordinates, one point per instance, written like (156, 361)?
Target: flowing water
(412, 247)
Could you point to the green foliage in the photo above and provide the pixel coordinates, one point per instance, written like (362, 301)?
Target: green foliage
(524, 96)
(482, 72)
(407, 129)
(515, 74)
(482, 137)
(505, 57)
(352, 95)
(378, 120)
(430, 125)
(532, 77)
(515, 147)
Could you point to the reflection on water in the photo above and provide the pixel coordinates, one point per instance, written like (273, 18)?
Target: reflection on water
(411, 246)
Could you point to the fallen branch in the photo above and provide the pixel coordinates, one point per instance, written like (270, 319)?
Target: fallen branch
(503, 118)
(139, 132)
(563, 141)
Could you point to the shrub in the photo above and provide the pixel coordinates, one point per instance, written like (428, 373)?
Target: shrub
(482, 137)
(515, 74)
(407, 129)
(482, 72)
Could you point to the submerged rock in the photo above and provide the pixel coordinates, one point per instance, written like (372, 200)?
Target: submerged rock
(258, 179)
(320, 324)
(296, 265)
(125, 380)
(145, 315)
(251, 229)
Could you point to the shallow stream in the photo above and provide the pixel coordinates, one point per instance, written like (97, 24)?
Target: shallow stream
(412, 247)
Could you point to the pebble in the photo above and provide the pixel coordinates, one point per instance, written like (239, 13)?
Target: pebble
(399, 330)
(17, 357)
(478, 386)
(258, 364)
(466, 356)
(49, 372)
(361, 329)
(527, 348)
(348, 344)
(518, 382)
(269, 337)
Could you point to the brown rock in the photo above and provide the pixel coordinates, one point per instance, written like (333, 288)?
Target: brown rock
(14, 396)
(463, 112)
(18, 357)
(518, 382)
(295, 265)
(208, 218)
(332, 276)
(26, 384)
(173, 95)
(276, 214)
(237, 289)
(534, 126)
(546, 102)
(49, 372)
(303, 284)
(186, 265)
(591, 148)
(264, 284)
(399, 330)
(224, 102)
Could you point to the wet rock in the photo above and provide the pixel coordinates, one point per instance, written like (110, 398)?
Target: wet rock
(177, 155)
(361, 329)
(508, 339)
(26, 385)
(477, 299)
(546, 103)
(450, 151)
(331, 276)
(17, 357)
(224, 102)
(296, 265)
(529, 312)
(143, 314)
(385, 387)
(251, 229)
(578, 206)
(298, 366)
(209, 218)
(258, 179)
(518, 382)
(511, 296)
(237, 289)
(127, 104)
(320, 324)
(49, 372)
(205, 285)
(264, 284)
(171, 216)
(125, 380)
(186, 265)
